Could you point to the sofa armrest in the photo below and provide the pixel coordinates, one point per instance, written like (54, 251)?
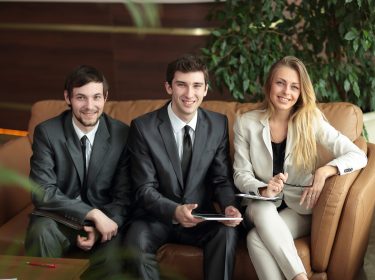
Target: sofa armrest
(13, 233)
(15, 155)
(326, 216)
(355, 224)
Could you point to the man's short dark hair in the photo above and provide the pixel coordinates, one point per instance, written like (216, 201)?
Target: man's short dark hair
(83, 75)
(185, 64)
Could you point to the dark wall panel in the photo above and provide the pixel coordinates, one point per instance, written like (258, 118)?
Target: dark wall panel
(34, 63)
(140, 63)
(34, 60)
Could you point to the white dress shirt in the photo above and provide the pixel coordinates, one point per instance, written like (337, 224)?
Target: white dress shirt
(90, 139)
(178, 126)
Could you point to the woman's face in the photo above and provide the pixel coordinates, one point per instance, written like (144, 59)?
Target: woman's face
(285, 88)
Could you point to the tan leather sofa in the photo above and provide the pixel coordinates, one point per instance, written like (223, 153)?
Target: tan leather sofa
(341, 220)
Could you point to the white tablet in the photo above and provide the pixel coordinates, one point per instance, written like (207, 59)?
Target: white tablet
(215, 217)
(257, 197)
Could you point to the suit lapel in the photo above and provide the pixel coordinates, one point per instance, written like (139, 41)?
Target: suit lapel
(166, 133)
(266, 135)
(288, 147)
(200, 140)
(73, 145)
(99, 151)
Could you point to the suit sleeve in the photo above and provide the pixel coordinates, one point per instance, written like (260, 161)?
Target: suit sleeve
(221, 172)
(42, 172)
(348, 157)
(145, 178)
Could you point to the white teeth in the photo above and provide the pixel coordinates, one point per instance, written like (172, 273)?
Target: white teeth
(89, 114)
(283, 99)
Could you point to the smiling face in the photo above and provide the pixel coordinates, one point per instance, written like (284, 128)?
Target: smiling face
(87, 103)
(187, 91)
(285, 88)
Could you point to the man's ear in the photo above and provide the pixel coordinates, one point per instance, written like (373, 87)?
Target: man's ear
(105, 96)
(168, 88)
(67, 98)
(205, 93)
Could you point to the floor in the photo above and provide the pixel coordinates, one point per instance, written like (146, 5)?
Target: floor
(368, 270)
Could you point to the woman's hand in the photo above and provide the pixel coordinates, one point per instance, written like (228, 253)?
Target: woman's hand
(275, 185)
(311, 194)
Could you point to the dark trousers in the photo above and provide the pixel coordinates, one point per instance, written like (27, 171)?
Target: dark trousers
(218, 242)
(47, 238)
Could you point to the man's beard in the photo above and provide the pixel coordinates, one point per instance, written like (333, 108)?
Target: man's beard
(87, 123)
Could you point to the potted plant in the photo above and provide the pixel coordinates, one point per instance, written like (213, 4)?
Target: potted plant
(335, 39)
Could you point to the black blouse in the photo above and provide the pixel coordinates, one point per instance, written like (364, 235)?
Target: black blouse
(278, 150)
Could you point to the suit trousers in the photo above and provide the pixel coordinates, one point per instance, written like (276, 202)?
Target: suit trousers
(271, 242)
(47, 238)
(146, 236)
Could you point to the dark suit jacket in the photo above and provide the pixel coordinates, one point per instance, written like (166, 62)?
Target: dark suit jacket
(57, 167)
(156, 169)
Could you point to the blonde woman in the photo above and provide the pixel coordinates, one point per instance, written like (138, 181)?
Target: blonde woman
(276, 151)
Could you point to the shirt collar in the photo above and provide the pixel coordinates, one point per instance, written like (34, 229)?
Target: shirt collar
(177, 123)
(90, 135)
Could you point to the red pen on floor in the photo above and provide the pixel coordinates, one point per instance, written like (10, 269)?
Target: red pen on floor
(49, 265)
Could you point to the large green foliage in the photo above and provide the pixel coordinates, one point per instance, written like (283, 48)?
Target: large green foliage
(9, 177)
(335, 39)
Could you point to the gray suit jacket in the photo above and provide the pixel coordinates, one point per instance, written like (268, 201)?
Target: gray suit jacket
(156, 167)
(57, 167)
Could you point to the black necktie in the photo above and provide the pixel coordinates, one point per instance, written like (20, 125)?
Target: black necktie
(186, 153)
(83, 146)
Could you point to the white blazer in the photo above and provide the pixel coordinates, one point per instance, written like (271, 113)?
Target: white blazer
(253, 163)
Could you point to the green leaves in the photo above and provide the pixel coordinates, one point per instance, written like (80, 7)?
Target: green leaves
(10, 177)
(335, 40)
(143, 14)
(351, 35)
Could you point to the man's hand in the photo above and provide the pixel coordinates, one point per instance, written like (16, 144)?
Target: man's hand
(231, 211)
(104, 225)
(184, 217)
(86, 243)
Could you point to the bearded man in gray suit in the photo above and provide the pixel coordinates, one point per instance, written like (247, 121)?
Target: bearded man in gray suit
(80, 161)
(180, 165)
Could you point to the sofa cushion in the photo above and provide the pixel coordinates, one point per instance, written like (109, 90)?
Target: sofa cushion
(345, 117)
(44, 110)
(349, 123)
(187, 261)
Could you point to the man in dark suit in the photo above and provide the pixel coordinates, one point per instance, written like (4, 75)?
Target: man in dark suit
(180, 165)
(80, 161)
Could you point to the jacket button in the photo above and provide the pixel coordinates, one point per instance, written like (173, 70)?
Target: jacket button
(348, 170)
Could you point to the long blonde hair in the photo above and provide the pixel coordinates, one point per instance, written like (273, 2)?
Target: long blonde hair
(303, 116)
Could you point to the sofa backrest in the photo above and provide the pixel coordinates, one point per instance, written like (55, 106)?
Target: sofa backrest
(345, 117)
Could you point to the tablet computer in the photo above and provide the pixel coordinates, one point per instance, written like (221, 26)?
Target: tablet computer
(258, 197)
(215, 217)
